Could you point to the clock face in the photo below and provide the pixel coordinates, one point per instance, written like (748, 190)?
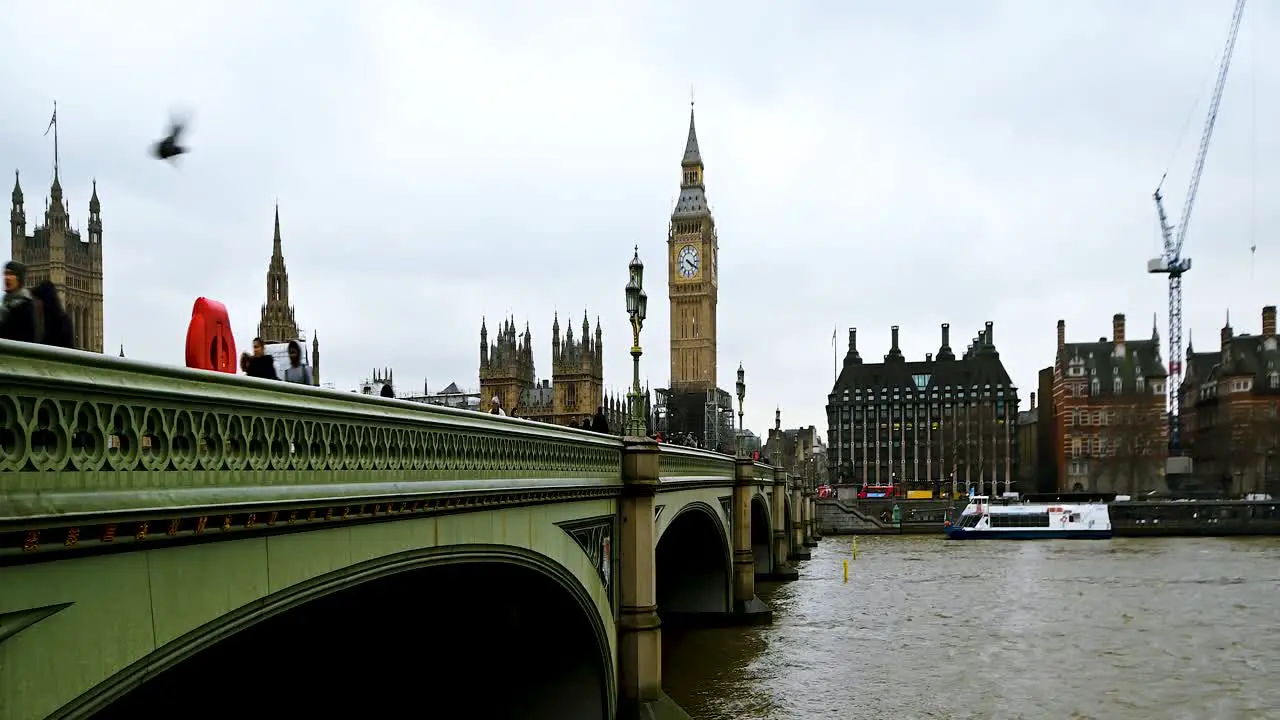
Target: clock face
(687, 261)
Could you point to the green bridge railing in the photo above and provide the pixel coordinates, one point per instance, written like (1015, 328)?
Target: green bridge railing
(85, 436)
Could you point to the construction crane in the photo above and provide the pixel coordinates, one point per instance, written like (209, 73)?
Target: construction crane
(1172, 263)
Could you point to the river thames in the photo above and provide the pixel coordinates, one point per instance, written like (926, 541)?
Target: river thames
(925, 628)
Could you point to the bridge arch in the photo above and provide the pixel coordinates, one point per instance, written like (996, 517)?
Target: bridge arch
(693, 565)
(761, 535)
(513, 635)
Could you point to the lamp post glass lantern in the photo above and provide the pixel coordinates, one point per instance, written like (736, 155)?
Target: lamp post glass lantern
(637, 308)
(742, 394)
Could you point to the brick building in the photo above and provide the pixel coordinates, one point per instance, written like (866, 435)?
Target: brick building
(1230, 403)
(1028, 432)
(1048, 435)
(1110, 423)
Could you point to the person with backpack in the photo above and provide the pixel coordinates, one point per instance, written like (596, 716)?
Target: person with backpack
(52, 321)
(18, 308)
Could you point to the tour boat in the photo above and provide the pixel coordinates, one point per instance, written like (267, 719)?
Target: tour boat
(1013, 520)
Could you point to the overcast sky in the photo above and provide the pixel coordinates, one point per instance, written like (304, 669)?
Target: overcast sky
(868, 164)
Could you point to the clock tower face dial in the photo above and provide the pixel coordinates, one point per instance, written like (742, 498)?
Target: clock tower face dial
(688, 262)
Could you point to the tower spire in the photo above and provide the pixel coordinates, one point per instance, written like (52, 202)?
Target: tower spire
(692, 155)
(277, 323)
(276, 249)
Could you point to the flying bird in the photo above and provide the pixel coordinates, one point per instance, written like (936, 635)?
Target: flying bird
(168, 148)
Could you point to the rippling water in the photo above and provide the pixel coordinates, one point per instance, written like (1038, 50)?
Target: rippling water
(1107, 630)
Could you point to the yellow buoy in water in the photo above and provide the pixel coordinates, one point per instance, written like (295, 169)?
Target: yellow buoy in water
(854, 547)
(846, 571)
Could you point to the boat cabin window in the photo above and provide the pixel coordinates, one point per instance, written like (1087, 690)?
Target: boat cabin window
(969, 521)
(1020, 520)
(1073, 517)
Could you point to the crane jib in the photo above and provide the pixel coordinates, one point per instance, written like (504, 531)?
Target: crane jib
(1171, 262)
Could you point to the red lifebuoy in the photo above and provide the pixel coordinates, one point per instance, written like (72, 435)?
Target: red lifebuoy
(210, 343)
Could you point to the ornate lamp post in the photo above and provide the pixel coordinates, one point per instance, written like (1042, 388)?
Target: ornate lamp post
(742, 393)
(637, 307)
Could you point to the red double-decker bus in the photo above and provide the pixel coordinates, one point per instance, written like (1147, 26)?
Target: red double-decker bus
(877, 491)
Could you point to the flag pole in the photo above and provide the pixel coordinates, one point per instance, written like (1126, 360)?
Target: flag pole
(53, 125)
(834, 374)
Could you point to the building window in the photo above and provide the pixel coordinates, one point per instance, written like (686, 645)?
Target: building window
(1117, 385)
(1096, 387)
(1141, 383)
(1075, 447)
(1275, 380)
(1157, 388)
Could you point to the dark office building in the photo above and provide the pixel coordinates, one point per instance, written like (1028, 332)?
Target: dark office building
(939, 424)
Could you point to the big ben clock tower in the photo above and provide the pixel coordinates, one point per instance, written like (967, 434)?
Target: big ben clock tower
(692, 285)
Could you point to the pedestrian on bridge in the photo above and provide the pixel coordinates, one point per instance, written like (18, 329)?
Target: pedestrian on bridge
(261, 365)
(17, 310)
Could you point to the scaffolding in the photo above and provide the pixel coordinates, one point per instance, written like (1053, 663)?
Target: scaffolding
(701, 418)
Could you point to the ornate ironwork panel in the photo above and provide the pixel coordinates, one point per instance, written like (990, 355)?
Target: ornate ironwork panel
(88, 433)
(676, 463)
(595, 537)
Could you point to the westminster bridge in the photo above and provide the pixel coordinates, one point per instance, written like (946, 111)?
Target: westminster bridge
(184, 542)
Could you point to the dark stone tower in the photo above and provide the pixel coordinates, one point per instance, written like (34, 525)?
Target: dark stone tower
(58, 253)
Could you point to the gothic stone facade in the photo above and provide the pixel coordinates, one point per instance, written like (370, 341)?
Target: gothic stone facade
(944, 424)
(56, 252)
(693, 407)
(277, 323)
(693, 255)
(576, 388)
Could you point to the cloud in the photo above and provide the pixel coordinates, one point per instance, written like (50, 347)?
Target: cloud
(910, 164)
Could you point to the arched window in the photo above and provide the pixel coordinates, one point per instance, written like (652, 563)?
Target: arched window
(1096, 387)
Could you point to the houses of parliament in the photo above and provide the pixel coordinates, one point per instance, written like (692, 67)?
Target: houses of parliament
(56, 252)
(576, 388)
(693, 404)
(72, 261)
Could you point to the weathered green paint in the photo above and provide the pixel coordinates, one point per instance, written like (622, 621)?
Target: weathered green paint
(683, 463)
(675, 501)
(97, 434)
(127, 606)
(102, 451)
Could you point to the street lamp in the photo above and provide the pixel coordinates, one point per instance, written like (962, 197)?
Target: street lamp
(637, 307)
(742, 393)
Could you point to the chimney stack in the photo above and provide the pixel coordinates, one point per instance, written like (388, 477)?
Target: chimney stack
(1062, 334)
(990, 335)
(853, 341)
(1269, 321)
(946, 334)
(894, 333)
(1227, 333)
(928, 357)
(1117, 328)
(1033, 401)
